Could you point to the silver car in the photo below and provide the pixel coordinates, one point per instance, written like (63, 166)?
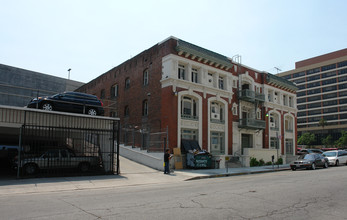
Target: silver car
(336, 157)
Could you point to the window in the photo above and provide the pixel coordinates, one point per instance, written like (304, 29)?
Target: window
(312, 71)
(330, 96)
(300, 107)
(311, 78)
(126, 111)
(127, 83)
(289, 146)
(217, 143)
(314, 98)
(343, 71)
(102, 94)
(329, 81)
(301, 94)
(325, 75)
(313, 91)
(194, 75)
(258, 114)
(221, 83)
(145, 77)
(114, 90)
(329, 88)
(301, 100)
(188, 134)
(234, 109)
(114, 114)
(181, 72)
(217, 112)
(290, 101)
(314, 112)
(330, 103)
(288, 124)
(330, 110)
(314, 105)
(296, 75)
(342, 86)
(341, 64)
(301, 114)
(145, 108)
(314, 84)
(301, 80)
(344, 93)
(328, 67)
(285, 100)
(188, 108)
(274, 144)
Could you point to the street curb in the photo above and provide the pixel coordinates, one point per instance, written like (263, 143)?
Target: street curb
(236, 174)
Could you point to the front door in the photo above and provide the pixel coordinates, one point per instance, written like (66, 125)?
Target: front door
(246, 141)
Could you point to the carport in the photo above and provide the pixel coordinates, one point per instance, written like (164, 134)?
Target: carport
(33, 132)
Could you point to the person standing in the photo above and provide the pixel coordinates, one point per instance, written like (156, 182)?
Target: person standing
(167, 158)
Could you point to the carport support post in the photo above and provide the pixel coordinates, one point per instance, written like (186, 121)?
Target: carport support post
(19, 150)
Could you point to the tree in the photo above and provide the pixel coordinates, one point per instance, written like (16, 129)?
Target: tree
(342, 141)
(306, 139)
(328, 141)
(322, 122)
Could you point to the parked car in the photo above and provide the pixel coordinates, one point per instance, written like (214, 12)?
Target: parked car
(75, 102)
(58, 159)
(308, 151)
(336, 157)
(310, 161)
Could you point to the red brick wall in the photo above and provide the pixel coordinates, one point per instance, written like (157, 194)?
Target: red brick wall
(322, 58)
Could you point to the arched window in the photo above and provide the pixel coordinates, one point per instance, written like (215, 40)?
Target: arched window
(127, 83)
(189, 108)
(114, 90)
(217, 111)
(126, 111)
(145, 108)
(145, 77)
(102, 94)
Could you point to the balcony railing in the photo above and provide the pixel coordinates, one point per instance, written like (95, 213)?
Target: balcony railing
(218, 121)
(252, 123)
(189, 117)
(251, 96)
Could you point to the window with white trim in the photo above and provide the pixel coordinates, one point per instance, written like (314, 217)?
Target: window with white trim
(181, 71)
(194, 75)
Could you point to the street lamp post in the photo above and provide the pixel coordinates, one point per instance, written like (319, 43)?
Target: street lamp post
(69, 72)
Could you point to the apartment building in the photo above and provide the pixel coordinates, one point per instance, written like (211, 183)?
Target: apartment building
(322, 84)
(227, 108)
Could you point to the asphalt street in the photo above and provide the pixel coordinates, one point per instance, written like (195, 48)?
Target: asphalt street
(302, 194)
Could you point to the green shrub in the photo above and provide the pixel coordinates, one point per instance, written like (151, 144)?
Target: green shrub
(279, 161)
(268, 163)
(261, 162)
(253, 162)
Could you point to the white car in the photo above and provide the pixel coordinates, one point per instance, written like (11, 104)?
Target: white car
(336, 157)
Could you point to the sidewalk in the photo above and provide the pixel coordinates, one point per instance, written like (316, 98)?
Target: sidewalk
(132, 174)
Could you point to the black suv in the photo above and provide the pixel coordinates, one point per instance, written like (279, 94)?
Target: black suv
(75, 102)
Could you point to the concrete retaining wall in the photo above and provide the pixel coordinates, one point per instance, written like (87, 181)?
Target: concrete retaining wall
(154, 161)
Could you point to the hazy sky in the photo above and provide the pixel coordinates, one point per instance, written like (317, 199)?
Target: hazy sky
(91, 37)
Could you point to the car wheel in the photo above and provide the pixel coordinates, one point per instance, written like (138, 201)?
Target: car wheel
(47, 107)
(313, 166)
(84, 167)
(92, 112)
(30, 169)
(293, 168)
(337, 163)
(326, 165)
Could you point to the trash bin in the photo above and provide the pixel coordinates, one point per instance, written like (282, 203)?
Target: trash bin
(199, 160)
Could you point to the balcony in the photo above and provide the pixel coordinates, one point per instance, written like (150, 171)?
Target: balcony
(189, 117)
(251, 96)
(252, 123)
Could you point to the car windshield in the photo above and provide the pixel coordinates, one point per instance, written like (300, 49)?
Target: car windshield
(307, 157)
(329, 154)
